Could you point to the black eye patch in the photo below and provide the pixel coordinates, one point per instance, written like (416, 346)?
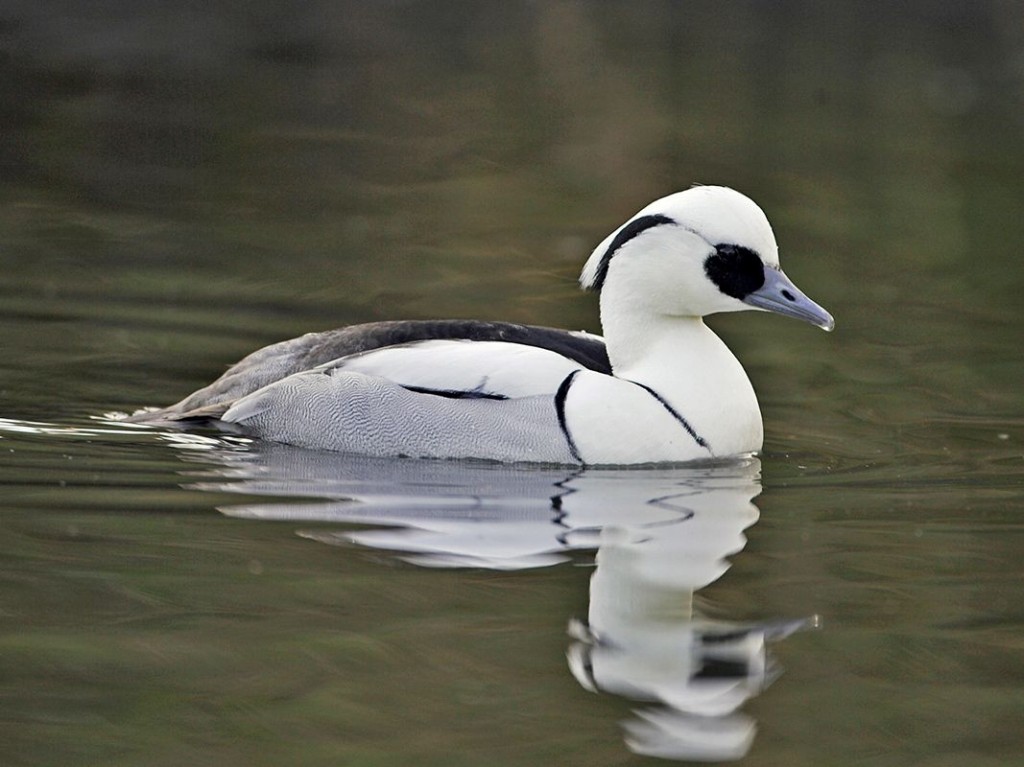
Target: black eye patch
(737, 271)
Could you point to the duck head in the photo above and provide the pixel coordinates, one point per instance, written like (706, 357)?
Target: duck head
(704, 250)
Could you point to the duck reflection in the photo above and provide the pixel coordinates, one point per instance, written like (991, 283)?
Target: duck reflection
(660, 536)
(645, 641)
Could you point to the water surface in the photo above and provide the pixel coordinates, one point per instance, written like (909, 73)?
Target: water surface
(180, 188)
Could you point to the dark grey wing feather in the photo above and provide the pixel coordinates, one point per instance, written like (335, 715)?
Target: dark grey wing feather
(274, 362)
(588, 351)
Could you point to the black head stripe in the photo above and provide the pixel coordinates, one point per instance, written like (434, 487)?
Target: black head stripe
(633, 229)
(737, 271)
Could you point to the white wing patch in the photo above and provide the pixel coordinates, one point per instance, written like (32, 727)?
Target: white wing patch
(476, 368)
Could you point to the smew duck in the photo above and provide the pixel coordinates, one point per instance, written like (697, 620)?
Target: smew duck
(659, 386)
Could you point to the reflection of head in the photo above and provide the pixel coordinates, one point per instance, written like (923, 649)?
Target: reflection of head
(644, 640)
(698, 674)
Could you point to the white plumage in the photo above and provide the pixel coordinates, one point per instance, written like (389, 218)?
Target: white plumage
(659, 387)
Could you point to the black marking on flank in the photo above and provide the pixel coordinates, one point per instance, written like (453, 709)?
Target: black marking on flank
(560, 395)
(736, 270)
(633, 229)
(455, 393)
(675, 414)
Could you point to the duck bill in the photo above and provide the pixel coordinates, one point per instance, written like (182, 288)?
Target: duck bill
(778, 294)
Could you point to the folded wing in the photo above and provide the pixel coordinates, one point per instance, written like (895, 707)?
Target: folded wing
(451, 399)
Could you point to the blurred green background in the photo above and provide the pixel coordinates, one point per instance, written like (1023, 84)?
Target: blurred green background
(183, 182)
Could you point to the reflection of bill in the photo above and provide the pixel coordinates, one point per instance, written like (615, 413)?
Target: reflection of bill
(660, 535)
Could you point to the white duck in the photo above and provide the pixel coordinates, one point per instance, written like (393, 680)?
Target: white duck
(659, 387)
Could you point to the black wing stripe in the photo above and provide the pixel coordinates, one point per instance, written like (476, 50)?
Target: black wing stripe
(677, 415)
(560, 395)
(454, 393)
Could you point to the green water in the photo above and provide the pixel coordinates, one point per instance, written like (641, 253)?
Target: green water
(182, 186)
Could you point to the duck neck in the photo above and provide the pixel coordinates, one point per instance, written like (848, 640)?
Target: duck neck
(645, 343)
(691, 368)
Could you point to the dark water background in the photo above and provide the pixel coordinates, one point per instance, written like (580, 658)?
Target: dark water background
(181, 183)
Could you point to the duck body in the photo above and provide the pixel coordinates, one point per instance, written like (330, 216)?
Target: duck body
(658, 387)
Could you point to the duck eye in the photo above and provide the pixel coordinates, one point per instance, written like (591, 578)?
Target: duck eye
(736, 270)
